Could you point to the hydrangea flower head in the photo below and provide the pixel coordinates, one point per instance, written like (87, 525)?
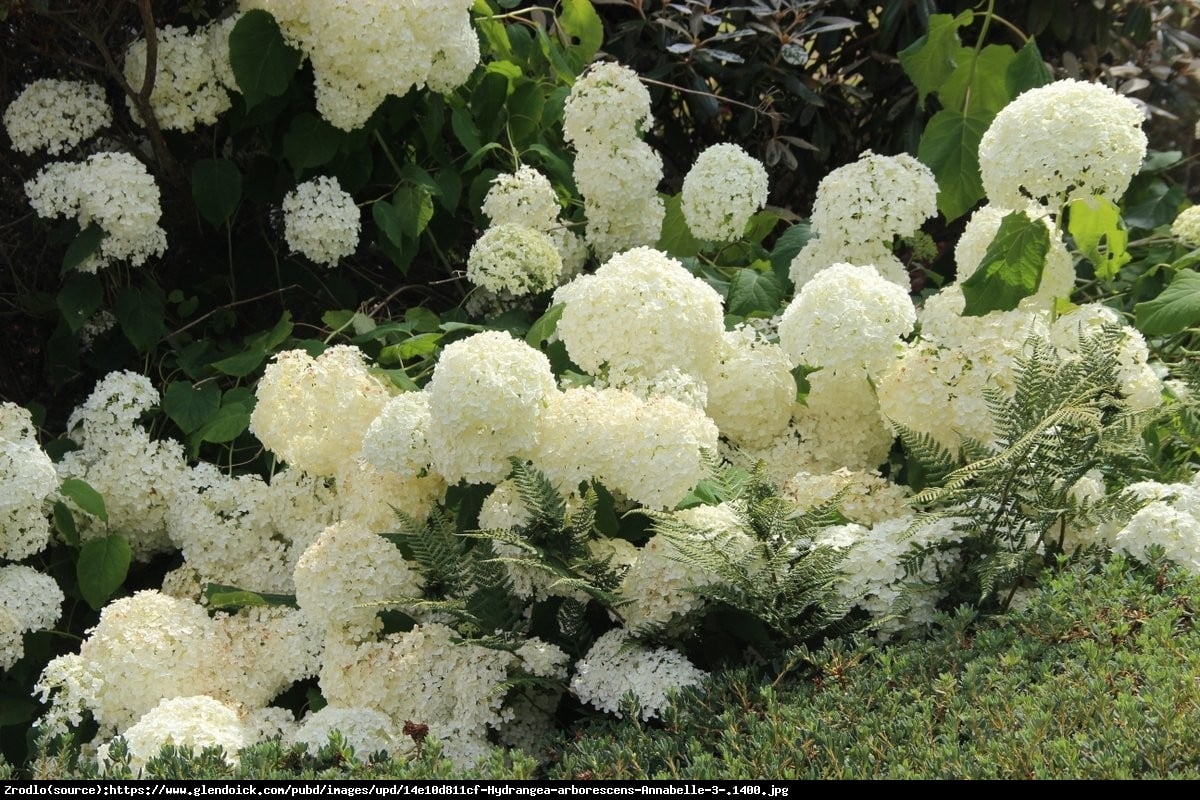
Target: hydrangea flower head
(524, 197)
(54, 115)
(874, 198)
(188, 85)
(722, 190)
(321, 221)
(614, 667)
(1057, 142)
(608, 102)
(1186, 227)
(27, 479)
(514, 258)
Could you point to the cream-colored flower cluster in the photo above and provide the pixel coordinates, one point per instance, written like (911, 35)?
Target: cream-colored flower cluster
(485, 397)
(27, 479)
(189, 723)
(669, 317)
(649, 450)
(858, 211)
(314, 412)
(140, 478)
(191, 79)
(1186, 227)
(524, 197)
(321, 220)
(847, 320)
(722, 191)
(366, 730)
(751, 390)
(615, 667)
(54, 115)
(112, 190)
(1061, 141)
(864, 498)
(29, 601)
(616, 172)
(423, 674)
(516, 259)
(361, 52)
(1170, 519)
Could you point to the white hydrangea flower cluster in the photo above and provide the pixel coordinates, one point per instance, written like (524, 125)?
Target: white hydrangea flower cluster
(54, 115)
(543, 659)
(321, 221)
(875, 577)
(847, 320)
(516, 259)
(867, 498)
(366, 730)
(1170, 520)
(610, 670)
(503, 509)
(189, 84)
(722, 191)
(840, 425)
(190, 723)
(29, 601)
(669, 317)
(616, 172)
(524, 197)
(659, 585)
(1058, 270)
(455, 689)
(112, 190)
(364, 51)
(1141, 385)
(1061, 141)
(243, 531)
(370, 497)
(150, 647)
(484, 399)
(27, 479)
(314, 412)
(140, 478)
(1186, 227)
(649, 450)
(860, 208)
(348, 575)
(674, 383)
(396, 439)
(751, 390)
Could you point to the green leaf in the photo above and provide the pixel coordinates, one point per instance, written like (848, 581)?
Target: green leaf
(524, 108)
(1027, 71)
(752, 291)
(543, 328)
(414, 209)
(1095, 224)
(581, 22)
(1177, 308)
(982, 86)
(141, 315)
(1011, 268)
(85, 497)
(189, 405)
(788, 246)
(64, 523)
(676, 238)
(494, 34)
(386, 219)
(82, 246)
(216, 188)
(231, 598)
(101, 569)
(310, 142)
(239, 365)
(465, 129)
(930, 60)
(420, 345)
(262, 61)
(79, 298)
(950, 147)
(230, 422)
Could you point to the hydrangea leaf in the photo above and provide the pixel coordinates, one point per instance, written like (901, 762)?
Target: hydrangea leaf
(1095, 224)
(581, 22)
(141, 314)
(788, 246)
(1027, 71)
(82, 246)
(230, 421)
(101, 568)
(80, 297)
(216, 188)
(981, 85)
(414, 209)
(676, 238)
(262, 61)
(930, 60)
(231, 598)
(1178, 307)
(752, 291)
(64, 523)
(950, 147)
(191, 405)
(84, 496)
(310, 142)
(386, 219)
(1011, 268)
(544, 327)
(524, 108)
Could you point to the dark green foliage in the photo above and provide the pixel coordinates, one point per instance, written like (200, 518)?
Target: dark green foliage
(1098, 678)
